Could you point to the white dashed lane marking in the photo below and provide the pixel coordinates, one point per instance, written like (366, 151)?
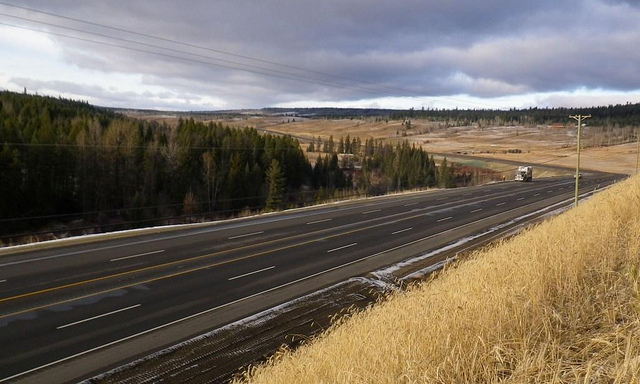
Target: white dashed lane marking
(318, 221)
(99, 316)
(138, 255)
(245, 235)
(252, 273)
(343, 247)
(400, 231)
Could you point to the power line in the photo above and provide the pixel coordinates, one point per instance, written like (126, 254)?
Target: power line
(215, 50)
(185, 58)
(177, 42)
(405, 92)
(301, 78)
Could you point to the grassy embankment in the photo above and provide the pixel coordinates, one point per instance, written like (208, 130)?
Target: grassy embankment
(558, 303)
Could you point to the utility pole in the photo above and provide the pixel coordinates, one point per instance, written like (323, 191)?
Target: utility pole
(637, 150)
(579, 118)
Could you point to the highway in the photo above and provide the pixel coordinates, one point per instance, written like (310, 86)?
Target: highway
(69, 312)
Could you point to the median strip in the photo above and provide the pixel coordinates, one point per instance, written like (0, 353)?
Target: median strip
(138, 255)
(343, 247)
(99, 316)
(252, 273)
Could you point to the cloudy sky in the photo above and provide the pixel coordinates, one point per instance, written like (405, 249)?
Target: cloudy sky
(228, 54)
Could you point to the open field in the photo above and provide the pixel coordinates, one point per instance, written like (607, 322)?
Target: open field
(538, 144)
(558, 303)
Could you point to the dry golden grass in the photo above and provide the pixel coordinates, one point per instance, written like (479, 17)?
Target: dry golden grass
(539, 144)
(559, 303)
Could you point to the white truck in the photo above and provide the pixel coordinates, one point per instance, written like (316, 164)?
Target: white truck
(524, 173)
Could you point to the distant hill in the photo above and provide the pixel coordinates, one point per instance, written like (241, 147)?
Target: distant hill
(608, 116)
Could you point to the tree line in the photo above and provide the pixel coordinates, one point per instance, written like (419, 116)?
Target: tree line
(62, 160)
(60, 157)
(613, 116)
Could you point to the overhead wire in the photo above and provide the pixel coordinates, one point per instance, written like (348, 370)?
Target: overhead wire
(181, 58)
(402, 92)
(215, 50)
(255, 67)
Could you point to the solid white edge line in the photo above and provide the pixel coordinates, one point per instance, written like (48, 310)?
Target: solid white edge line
(251, 273)
(318, 221)
(99, 316)
(262, 292)
(402, 230)
(343, 247)
(502, 203)
(446, 218)
(476, 210)
(368, 212)
(138, 255)
(245, 235)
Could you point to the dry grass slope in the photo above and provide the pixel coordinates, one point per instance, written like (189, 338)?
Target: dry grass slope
(559, 303)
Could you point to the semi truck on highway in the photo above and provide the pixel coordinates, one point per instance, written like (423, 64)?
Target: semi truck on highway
(524, 173)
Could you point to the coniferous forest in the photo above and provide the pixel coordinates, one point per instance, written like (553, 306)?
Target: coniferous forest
(71, 164)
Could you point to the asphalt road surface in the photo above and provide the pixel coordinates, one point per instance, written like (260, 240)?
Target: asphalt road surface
(71, 311)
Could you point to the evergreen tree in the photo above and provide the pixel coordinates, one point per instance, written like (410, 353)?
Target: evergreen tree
(445, 175)
(312, 146)
(275, 185)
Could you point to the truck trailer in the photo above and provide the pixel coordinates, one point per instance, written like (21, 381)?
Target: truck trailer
(524, 173)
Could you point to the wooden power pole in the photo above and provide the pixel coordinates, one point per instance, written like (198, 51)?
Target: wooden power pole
(579, 118)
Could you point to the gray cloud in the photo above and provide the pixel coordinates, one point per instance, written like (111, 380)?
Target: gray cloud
(433, 48)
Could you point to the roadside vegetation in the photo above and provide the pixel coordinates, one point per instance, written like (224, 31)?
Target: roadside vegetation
(69, 166)
(558, 303)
